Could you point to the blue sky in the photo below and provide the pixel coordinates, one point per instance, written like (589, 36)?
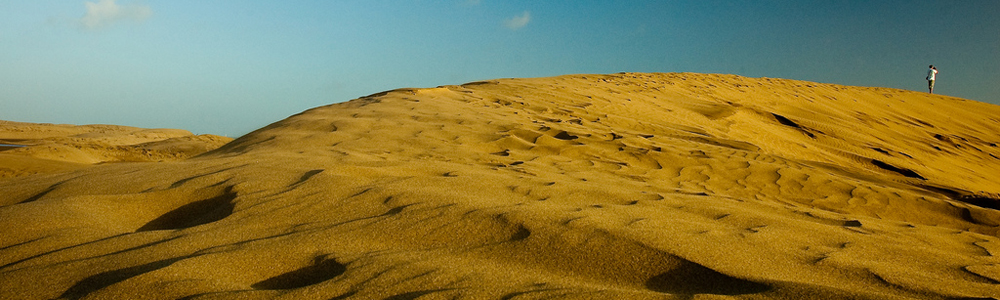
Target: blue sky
(230, 67)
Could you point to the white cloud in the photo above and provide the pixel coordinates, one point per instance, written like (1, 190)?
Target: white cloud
(517, 22)
(106, 12)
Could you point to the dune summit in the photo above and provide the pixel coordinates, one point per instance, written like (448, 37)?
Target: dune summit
(29, 148)
(624, 186)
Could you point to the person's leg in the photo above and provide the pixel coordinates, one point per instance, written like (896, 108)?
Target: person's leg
(930, 86)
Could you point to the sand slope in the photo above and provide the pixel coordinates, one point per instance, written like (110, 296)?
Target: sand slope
(625, 186)
(59, 147)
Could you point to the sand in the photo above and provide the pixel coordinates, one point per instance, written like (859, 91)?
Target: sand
(623, 186)
(30, 148)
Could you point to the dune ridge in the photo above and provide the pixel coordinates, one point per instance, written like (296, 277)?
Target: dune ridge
(621, 186)
(45, 148)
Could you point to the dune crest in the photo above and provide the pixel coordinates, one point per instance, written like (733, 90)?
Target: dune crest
(30, 148)
(623, 186)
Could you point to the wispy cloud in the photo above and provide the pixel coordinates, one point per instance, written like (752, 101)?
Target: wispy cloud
(517, 22)
(105, 12)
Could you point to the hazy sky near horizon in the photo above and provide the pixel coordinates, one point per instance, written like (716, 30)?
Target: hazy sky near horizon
(229, 67)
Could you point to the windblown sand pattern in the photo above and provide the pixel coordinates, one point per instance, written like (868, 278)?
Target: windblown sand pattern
(27, 148)
(625, 186)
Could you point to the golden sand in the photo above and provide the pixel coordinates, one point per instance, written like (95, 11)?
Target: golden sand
(51, 147)
(624, 186)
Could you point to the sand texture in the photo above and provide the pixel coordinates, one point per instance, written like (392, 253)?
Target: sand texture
(58, 147)
(624, 186)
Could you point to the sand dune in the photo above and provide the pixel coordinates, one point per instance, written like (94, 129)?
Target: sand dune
(53, 147)
(624, 186)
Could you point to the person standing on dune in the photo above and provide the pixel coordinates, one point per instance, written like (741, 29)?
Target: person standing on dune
(931, 74)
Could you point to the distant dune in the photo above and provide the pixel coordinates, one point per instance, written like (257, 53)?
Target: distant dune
(623, 186)
(29, 148)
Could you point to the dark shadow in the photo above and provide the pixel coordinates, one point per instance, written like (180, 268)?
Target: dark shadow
(194, 214)
(981, 201)
(47, 191)
(883, 151)
(60, 249)
(505, 152)
(21, 243)
(900, 171)
(479, 83)
(692, 278)
(511, 296)
(852, 223)
(964, 196)
(562, 135)
(39, 195)
(521, 234)
(4, 147)
(788, 122)
(94, 283)
(323, 269)
(415, 295)
(185, 180)
(395, 210)
(785, 121)
(344, 296)
(308, 175)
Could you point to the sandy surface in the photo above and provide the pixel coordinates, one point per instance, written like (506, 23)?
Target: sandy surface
(625, 186)
(30, 148)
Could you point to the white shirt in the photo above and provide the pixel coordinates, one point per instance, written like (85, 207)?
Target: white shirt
(931, 74)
